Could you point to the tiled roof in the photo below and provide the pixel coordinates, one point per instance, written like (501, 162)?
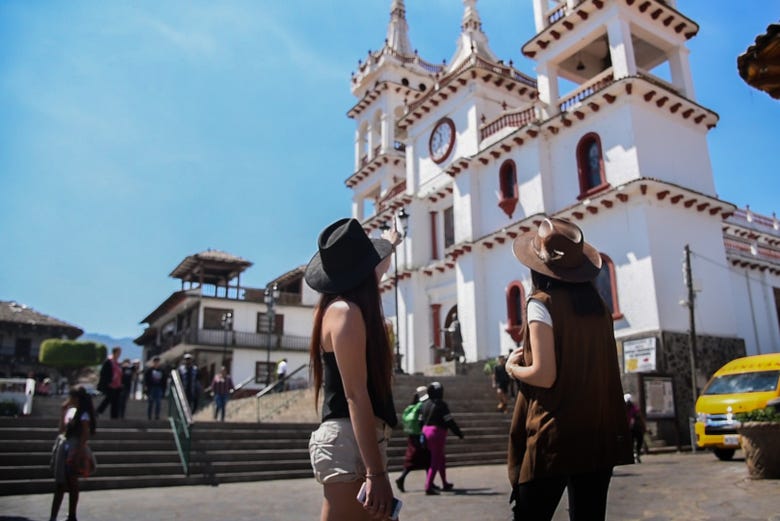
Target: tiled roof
(218, 265)
(14, 313)
(759, 65)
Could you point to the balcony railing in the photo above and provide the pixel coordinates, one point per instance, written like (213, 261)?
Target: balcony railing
(512, 119)
(587, 90)
(237, 339)
(556, 14)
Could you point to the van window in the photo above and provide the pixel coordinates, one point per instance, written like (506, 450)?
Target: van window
(760, 381)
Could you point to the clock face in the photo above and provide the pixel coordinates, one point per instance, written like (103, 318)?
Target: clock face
(442, 140)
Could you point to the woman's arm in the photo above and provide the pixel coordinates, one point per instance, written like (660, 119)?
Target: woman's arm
(344, 330)
(542, 371)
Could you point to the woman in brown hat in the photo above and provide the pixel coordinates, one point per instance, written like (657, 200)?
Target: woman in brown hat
(568, 428)
(351, 359)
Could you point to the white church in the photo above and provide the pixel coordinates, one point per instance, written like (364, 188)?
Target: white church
(468, 154)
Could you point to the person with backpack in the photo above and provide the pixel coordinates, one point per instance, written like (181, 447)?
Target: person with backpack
(417, 456)
(436, 419)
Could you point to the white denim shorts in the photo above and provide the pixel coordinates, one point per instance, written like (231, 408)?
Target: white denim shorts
(334, 453)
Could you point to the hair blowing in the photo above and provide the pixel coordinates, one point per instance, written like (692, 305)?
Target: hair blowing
(379, 358)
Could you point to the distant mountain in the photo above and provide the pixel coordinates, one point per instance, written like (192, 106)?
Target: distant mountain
(129, 349)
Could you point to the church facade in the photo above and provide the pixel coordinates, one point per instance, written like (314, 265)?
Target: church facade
(474, 152)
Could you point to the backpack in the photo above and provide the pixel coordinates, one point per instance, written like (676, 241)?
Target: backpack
(410, 419)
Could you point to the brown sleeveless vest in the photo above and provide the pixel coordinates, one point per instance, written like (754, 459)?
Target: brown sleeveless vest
(579, 424)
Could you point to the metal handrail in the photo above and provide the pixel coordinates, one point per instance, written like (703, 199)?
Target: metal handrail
(180, 416)
(244, 382)
(270, 387)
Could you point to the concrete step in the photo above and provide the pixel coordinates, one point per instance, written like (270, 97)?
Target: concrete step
(134, 452)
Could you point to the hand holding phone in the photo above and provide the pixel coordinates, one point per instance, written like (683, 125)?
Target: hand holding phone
(397, 503)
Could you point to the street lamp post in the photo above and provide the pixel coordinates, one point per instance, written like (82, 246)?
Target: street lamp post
(403, 217)
(271, 295)
(227, 324)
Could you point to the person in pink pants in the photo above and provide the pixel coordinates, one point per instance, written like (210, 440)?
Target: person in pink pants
(437, 419)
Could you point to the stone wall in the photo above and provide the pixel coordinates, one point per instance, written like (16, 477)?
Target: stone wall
(673, 359)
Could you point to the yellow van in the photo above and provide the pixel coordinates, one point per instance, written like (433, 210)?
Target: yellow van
(742, 385)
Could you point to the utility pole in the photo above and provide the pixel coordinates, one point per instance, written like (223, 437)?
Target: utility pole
(692, 322)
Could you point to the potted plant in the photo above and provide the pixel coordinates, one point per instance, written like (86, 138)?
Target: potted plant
(760, 433)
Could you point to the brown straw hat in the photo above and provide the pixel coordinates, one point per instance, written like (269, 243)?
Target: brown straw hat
(558, 249)
(345, 257)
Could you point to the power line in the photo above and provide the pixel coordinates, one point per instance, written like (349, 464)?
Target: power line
(721, 265)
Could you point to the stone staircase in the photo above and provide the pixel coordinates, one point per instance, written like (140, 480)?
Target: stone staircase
(138, 453)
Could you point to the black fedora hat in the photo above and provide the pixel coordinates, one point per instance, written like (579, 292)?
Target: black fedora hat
(558, 249)
(345, 257)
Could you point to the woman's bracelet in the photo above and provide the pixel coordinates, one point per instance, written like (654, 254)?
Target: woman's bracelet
(377, 475)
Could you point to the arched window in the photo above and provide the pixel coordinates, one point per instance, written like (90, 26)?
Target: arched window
(606, 284)
(515, 307)
(590, 165)
(507, 183)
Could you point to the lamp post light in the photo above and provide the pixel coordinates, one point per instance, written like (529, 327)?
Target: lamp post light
(403, 217)
(227, 324)
(271, 295)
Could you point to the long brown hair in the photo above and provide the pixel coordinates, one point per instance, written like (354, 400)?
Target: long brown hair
(379, 357)
(585, 297)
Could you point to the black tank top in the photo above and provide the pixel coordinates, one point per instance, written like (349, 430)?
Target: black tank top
(334, 404)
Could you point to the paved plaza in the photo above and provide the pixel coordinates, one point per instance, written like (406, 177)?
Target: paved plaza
(674, 486)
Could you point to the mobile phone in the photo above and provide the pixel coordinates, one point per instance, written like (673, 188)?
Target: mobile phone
(397, 503)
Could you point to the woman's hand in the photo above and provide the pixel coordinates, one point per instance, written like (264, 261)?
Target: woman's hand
(515, 360)
(379, 496)
(393, 236)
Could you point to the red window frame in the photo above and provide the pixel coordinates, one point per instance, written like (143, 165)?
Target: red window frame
(515, 307)
(586, 190)
(606, 261)
(507, 187)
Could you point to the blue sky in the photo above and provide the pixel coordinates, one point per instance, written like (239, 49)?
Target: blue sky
(133, 134)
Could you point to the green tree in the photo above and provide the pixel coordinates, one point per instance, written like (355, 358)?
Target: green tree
(70, 356)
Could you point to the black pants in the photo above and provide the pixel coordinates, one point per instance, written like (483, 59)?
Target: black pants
(538, 499)
(112, 397)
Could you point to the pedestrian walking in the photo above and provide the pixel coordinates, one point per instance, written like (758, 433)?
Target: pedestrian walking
(155, 380)
(190, 380)
(128, 376)
(281, 374)
(417, 455)
(221, 386)
(569, 425)
(636, 425)
(352, 362)
(437, 419)
(71, 456)
(501, 383)
(110, 384)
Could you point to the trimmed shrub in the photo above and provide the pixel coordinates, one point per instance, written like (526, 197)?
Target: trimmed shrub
(73, 354)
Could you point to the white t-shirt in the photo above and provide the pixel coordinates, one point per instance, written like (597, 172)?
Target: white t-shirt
(537, 312)
(71, 412)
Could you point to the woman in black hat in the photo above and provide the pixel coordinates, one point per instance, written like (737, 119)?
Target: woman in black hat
(569, 427)
(351, 359)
